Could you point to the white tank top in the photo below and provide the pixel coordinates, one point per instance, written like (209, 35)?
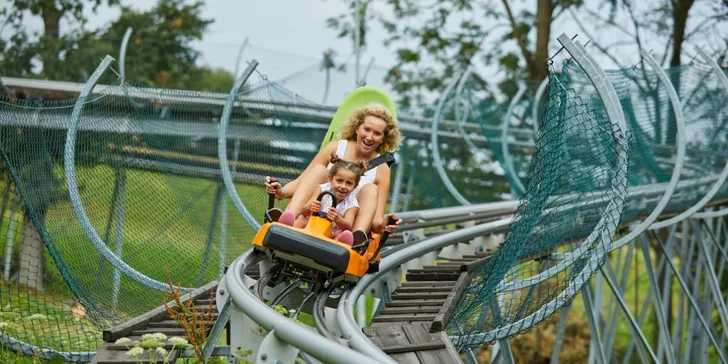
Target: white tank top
(368, 176)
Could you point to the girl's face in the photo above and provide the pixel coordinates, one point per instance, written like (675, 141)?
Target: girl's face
(342, 183)
(370, 134)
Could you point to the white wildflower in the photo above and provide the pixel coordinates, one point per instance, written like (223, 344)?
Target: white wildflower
(3, 325)
(135, 352)
(178, 341)
(146, 337)
(161, 351)
(159, 336)
(123, 341)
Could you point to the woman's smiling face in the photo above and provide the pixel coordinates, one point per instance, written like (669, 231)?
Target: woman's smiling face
(370, 134)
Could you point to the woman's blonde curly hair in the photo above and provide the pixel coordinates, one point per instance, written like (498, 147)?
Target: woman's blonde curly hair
(392, 136)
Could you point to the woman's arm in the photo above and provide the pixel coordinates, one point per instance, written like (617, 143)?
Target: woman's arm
(322, 157)
(346, 222)
(382, 182)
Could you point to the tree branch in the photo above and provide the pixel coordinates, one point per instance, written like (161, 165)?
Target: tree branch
(517, 33)
(593, 40)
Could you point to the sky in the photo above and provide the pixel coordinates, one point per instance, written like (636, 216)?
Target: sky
(288, 37)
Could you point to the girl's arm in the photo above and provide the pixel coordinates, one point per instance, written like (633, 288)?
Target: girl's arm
(312, 199)
(346, 222)
(382, 182)
(323, 157)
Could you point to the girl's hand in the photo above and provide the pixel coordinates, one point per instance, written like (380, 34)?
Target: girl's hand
(391, 228)
(332, 214)
(273, 188)
(315, 206)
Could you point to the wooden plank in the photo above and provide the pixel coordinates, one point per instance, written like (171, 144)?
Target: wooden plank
(423, 289)
(438, 268)
(419, 295)
(475, 264)
(124, 329)
(408, 310)
(414, 303)
(169, 331)
(389, 335)
(461, 260)
(427, 283)
(396, 349)
(418, 334)
(433, 276)
(172, 323)
(403, 318)
(452, 351)
(438, 324)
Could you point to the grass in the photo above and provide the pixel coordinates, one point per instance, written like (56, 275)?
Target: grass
(166, 223)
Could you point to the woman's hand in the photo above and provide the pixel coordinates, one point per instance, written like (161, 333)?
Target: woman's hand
(273, 188)
(315, 206)
(391, 228)
(332, 214)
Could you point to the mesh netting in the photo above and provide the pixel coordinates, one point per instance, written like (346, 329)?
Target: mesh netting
(574, 198)
(573, 192)
(149, 181)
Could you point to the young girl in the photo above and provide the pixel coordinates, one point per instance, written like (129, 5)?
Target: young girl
(344, 176)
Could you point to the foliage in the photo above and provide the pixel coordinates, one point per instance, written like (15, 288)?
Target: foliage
(193, 322)
(159, 53)
(433, 42)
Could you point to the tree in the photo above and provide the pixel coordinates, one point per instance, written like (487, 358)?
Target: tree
(51, 45)
(160, 53)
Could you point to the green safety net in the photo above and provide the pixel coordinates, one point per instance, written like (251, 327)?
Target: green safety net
(571, 206)
(149, 180)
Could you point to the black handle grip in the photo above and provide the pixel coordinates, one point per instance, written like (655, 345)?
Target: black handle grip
(383, 239)
(320, 197)
(272, 196)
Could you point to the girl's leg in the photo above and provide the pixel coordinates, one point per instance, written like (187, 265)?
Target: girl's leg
(301, 222)
(307, 184)
(367, 197)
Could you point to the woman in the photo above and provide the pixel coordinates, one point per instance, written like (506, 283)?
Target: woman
(370, 131)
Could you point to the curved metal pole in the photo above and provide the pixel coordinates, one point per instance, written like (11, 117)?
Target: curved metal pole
(722, 177)
(240, 55)
(680, 158)
(460, 119)
(222, 147)
(44, 352)
(363, 80)
(515, 180)
(437, 160)
(287, 331)
(122, 52)
(69, 166)
(534, 112)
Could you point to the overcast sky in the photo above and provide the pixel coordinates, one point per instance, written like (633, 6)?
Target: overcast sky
(288, 37)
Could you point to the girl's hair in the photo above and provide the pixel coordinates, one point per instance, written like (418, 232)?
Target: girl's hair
(339, 164)
(392, 136)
